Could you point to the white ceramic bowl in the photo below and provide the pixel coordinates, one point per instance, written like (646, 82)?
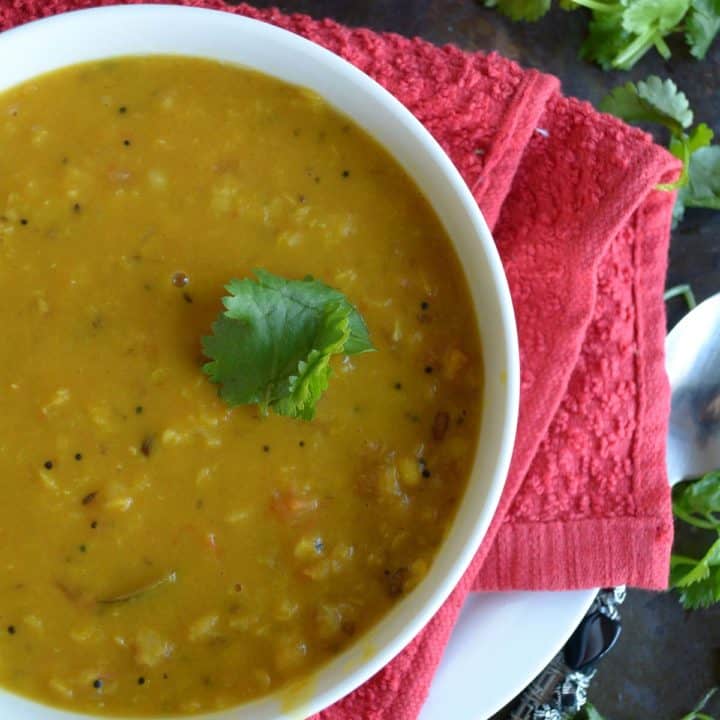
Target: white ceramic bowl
(145, 29)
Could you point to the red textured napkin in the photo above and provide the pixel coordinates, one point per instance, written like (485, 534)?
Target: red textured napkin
(583, 237)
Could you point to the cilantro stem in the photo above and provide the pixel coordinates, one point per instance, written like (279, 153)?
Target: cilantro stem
(601, 7)
(635, 49)
(696, 714)
(680, 148)
(685, 291)
(662, 46)
(679, 560)
(692, 520)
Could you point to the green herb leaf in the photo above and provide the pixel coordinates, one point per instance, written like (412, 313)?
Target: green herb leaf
(703, 593)
(700, 137)
(703, 24)
(703, 188)
(680, 148)
(658, 101)
(530, 10)
(605, 40)
(624, 102)
(669, 103)
(688, 574)
(684, 146)
(273, 342)
(697, 501)
(313, 375)
(642, 17)
(623, 31)
(652, 101)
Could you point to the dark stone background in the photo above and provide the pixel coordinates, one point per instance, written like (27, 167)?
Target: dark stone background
(666, 658)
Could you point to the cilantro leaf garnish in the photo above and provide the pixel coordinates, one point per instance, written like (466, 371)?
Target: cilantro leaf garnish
(313, 374)
(273, 342)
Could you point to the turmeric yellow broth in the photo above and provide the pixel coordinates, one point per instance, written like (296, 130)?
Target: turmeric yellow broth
(161, 552)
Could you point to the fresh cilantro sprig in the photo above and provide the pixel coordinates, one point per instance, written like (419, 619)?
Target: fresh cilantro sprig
(273, 342)
(659, 102)
(697, 503)
(620, 32)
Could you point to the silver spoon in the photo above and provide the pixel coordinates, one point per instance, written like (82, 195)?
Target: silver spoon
(692, 359)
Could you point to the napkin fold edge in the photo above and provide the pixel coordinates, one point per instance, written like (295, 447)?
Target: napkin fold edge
(526, 108)
(628, 551)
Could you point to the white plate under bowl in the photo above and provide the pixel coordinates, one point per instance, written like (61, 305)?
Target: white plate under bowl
(501, 642)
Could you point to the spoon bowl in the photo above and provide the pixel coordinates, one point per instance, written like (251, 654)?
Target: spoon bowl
(692, 357)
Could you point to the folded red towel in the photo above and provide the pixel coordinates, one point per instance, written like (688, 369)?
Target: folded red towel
(583, 237)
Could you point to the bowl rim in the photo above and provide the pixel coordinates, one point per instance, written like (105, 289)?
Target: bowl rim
(392, 646)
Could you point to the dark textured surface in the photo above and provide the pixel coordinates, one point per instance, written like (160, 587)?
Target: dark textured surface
(666, 659)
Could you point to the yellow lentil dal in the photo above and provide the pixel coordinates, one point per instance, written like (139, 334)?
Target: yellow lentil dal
(159, 551)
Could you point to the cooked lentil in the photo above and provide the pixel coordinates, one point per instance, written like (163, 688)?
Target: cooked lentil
(225, 571)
